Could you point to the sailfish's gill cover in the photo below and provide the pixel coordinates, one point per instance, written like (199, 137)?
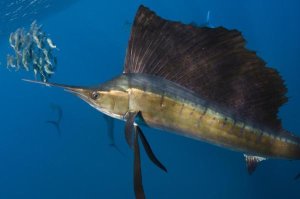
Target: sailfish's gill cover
(212, 62)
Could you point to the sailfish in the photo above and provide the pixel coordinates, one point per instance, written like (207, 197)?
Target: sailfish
(198, 82)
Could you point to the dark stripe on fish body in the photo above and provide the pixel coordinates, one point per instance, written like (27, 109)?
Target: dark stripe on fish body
(182, 106)
(162, 101)
(191, 113)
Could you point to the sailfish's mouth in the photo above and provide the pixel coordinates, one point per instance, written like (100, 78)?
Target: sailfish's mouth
(76, 90)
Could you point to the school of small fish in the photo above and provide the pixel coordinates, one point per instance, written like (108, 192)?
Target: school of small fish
(33, 52)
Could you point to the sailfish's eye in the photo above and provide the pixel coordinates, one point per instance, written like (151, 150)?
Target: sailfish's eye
(94, 95)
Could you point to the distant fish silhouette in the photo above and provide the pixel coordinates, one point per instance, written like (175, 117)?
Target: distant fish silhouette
(56, 123)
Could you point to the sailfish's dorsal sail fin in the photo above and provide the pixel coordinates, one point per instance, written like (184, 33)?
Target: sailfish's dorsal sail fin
(212, 62)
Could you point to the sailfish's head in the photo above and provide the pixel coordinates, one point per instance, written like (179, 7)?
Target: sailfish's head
(109, 101)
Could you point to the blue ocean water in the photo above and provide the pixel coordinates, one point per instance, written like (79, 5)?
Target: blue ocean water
(92, 37)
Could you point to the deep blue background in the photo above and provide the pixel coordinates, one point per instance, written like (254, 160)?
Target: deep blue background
(92, 36)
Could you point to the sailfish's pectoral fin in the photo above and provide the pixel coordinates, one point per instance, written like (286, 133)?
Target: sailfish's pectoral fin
(131, 135)
(110, 132)
(137, 174)
(252, 162)
(148, 149)
(130, 117)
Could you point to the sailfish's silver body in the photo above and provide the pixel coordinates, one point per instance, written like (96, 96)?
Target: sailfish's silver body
(168, 106)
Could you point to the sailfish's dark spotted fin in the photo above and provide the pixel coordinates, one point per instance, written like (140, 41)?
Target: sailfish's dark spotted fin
(213, 62)
(252, 162)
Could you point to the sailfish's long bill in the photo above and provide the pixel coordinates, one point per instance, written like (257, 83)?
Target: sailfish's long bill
(88, 94)
(198, 82)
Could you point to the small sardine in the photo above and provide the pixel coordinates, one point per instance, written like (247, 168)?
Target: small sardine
(48, 69)
(41, 61)
(25, 59)
(36, 40)
(48, 60)
(11, 40)
(40, 45)
(50, 43)
(19, 60)
(34, 60)
(45, 52)
(10, 61)
(35, 70)
(27, 41)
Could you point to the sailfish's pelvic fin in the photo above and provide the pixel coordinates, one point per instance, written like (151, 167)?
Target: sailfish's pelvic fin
(133, 142)
(130, 124)
(137, 170)
(148, 149)
(129, 135)
(252, 162)
(132, 133)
